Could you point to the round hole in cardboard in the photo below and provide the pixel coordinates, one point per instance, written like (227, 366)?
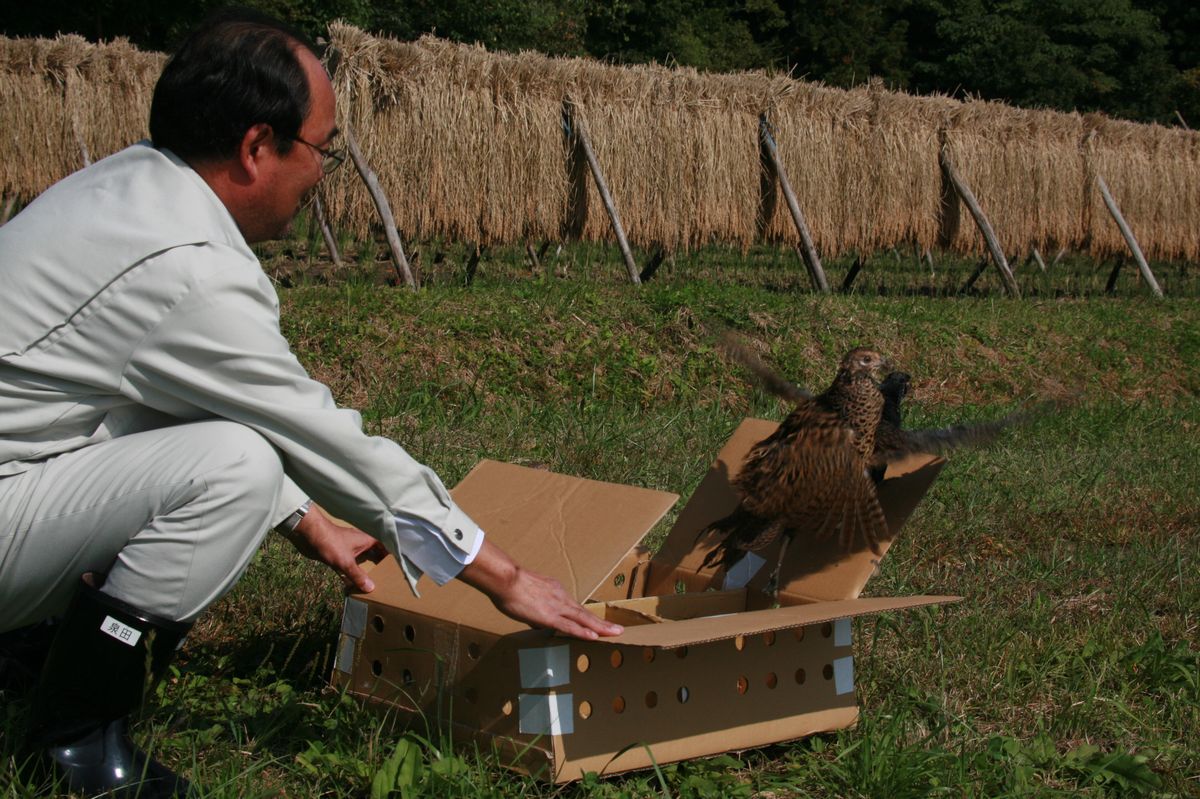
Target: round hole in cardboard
(377, 667)
(377, 623)
(681, 652)
(769, 638)
(585, 709)
(826, 630)
(471, 695)
(619, 580)
(616, 658)
(651, 699)
(799, 633)
(648, 654)
(743, 685)
(827, 672)
(739, 642)
(583, 663)
(407, 677)
(801, 676)
(410, 633)
(772, 680)
(619, 705)
(683, 694)
(507, 708)
(473, 651)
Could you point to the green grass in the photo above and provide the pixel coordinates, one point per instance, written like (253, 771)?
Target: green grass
(1070, 668)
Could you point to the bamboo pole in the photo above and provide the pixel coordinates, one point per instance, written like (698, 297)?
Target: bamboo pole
(1147, 275)
(326, 232)
(981, 221)
(385, 211)
(579, 129)
(808, 251)
(9, 203)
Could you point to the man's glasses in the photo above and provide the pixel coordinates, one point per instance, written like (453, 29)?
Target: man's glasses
(330, 159)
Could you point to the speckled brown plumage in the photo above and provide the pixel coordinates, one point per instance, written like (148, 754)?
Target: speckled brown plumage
(815, 476)
(809, 477)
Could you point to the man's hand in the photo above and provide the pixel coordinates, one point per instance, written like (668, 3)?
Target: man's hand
(532, 598)
(338, 547)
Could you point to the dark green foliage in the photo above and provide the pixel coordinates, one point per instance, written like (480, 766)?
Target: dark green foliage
(1136, 59)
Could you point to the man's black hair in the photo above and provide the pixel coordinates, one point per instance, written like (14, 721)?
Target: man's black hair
(239, 68)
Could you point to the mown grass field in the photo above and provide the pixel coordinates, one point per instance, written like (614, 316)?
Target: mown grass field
(1070, 669)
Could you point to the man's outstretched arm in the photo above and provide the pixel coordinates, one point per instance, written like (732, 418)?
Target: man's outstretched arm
(526, 596)
(535, 599)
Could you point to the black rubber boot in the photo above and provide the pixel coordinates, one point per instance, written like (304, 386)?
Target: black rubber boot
(106, 655)
(22, 653)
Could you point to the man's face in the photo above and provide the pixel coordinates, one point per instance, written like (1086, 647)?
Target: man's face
(296, 172)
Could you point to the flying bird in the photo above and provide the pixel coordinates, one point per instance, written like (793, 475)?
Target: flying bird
(815, 477)
(810, 475)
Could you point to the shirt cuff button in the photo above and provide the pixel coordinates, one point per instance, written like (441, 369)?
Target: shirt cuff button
(458, 535)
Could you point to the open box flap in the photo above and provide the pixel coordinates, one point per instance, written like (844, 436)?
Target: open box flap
(817, 570)
(671, 634)
(569, 528)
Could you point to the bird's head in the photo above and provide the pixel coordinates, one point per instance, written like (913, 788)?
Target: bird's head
(862, 360)
(896, 385)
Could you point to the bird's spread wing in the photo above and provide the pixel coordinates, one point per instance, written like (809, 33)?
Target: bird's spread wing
(809, 478)
(770, 380)
(893, 443)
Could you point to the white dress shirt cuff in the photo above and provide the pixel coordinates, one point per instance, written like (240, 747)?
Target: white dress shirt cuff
(426, 546)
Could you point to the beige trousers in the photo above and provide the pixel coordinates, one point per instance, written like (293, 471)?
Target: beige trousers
(173, 516)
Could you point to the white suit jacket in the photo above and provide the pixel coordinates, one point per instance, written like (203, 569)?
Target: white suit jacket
(129, 300)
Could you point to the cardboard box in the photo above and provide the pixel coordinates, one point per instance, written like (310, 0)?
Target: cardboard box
(705, 665)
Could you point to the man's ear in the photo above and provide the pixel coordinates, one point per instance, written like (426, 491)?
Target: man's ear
(257, 142)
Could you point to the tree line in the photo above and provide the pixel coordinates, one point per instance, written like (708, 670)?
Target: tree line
(1134, 59)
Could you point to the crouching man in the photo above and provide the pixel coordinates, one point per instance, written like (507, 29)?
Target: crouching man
(154, 424)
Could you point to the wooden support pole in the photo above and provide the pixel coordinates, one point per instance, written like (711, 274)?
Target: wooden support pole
(1037, 257)
(326, 232)
(579, 129)
(848, 281)
(979, 267)
(403, 272)
(1111, 286)
(989, 235)
(653, 264)
(535, 263)
(808, 250)
(473, 263)
(1147, 275)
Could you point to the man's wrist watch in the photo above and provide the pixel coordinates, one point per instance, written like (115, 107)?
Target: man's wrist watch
(290, 524)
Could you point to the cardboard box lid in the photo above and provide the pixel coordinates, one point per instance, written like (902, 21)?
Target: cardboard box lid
(815, 571)
(671, 634)
(569, 528)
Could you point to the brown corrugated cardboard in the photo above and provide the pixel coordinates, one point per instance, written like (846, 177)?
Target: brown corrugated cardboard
(818, 571)
(693, 674)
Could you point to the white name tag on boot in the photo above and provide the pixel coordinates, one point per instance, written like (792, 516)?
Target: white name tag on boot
(122, 632)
